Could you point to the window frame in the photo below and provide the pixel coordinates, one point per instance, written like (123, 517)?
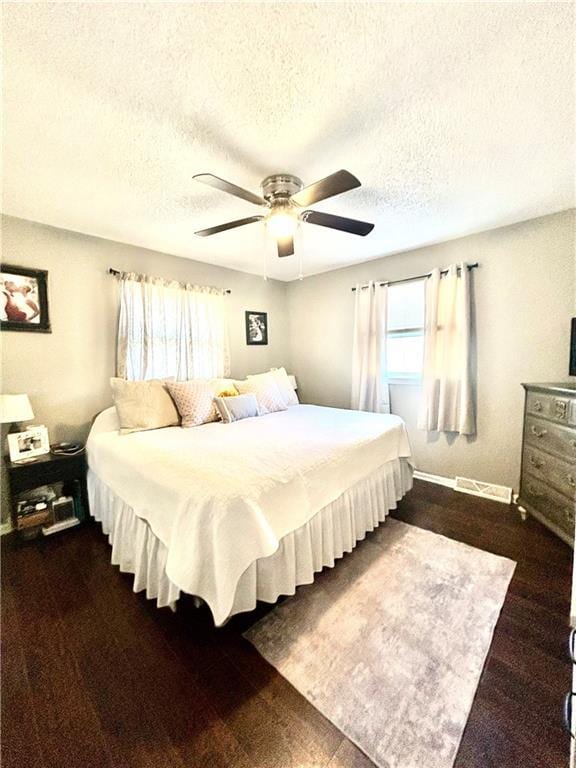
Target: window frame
(404, 377)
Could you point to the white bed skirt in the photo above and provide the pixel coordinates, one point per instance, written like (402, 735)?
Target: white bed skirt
(333, 531)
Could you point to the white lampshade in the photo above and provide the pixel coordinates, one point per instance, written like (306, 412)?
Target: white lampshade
(15, 408)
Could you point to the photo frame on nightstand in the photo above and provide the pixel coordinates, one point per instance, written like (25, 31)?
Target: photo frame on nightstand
(27, 445)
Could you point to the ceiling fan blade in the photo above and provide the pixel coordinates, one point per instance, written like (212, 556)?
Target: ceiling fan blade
(228, 225)
(353, 226)
(226, 186)
(335, 184)
(285, 246)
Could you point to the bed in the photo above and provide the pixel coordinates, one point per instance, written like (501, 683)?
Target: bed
(247, 511)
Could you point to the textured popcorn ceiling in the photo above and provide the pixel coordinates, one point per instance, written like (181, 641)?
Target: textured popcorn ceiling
(455, 117)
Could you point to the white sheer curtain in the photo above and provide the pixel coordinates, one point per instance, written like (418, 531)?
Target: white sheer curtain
(447, 390)
(370, 391)
(169, 329)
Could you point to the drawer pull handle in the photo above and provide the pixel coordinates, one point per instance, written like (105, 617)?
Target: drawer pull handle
(537, 405)
(572, 645)
(538, 432)
(536, 462)
(568, 713)
(572, 481)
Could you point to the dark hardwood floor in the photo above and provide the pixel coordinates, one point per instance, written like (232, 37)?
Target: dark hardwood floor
(95, 676)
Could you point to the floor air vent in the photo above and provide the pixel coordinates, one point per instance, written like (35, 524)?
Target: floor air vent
(486, 490)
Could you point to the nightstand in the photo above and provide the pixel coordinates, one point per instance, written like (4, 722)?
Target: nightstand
(47, 470)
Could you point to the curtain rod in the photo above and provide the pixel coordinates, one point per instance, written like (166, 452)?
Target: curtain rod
(115, 272)
(418, 277)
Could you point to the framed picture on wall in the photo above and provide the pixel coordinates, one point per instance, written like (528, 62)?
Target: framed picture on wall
(256, 328)
(23, 299)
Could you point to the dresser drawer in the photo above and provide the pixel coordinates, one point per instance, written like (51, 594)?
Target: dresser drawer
(550, 470)
(549, 503)
(551, 437)
(549, 406)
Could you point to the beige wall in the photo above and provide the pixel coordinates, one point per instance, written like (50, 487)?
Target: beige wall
(66, 373)
(524, 295)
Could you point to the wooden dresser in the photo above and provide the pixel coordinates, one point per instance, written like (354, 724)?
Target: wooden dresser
(548, 479)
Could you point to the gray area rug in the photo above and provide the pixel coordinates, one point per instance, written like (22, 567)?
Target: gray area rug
(391, 643)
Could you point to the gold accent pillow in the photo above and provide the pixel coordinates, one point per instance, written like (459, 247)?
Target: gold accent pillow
(228, 393)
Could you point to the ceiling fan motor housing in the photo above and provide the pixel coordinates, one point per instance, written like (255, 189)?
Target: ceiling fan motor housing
(279, 187)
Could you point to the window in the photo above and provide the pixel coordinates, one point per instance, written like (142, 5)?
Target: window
(405, 337)
(167, 329)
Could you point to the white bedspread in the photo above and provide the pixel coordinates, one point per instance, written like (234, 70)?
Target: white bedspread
(220, 496)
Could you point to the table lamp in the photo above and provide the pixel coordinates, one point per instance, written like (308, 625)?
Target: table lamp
(15, 409)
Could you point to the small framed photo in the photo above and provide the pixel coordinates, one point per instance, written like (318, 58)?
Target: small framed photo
(23, 299)
(29, 444)
(256, 328)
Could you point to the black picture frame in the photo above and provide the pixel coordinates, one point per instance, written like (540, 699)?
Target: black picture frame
(573, 348)
(256, 328)
(36, 296)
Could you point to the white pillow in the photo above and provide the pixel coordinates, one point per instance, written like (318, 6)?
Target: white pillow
(106, 421)
(194, 400)
(280, 376)
(237, 407)
(267, 393)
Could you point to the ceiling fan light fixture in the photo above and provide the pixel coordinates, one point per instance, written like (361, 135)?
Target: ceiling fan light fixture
(282, 224)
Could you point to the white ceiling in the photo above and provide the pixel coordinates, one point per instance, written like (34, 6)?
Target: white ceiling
(456, 118)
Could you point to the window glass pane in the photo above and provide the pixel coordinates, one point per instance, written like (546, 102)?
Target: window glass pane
(406, 305)
(405, 356)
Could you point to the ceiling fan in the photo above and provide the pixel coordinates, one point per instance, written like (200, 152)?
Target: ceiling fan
(285, 195)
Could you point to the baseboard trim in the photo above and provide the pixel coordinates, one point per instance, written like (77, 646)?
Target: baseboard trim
(5, 528)
(447, 482)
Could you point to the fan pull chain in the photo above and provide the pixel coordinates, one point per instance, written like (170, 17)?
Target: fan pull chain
(266, 244)
(299, 247)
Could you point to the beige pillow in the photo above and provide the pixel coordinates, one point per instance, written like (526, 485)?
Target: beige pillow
(195, 401)
(267, 393)
(280, 376)
(143, 405)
